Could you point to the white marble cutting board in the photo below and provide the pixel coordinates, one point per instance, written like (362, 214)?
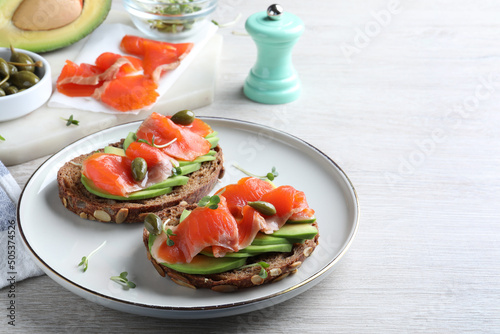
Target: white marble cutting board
(43, 131)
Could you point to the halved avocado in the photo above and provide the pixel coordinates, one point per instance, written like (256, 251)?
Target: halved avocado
(94, 12)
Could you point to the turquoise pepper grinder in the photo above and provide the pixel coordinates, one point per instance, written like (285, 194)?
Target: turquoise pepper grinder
(273, 79)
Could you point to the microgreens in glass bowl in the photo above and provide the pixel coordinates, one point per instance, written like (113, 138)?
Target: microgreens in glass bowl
(169, 19)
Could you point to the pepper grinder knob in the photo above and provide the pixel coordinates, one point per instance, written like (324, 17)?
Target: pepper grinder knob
(273, 79)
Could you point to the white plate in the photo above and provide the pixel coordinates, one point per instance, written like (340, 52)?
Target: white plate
(58, 238)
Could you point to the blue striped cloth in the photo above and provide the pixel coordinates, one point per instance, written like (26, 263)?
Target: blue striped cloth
(15, 261)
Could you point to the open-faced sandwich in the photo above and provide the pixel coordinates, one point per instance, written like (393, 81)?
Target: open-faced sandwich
(169, 160)
(247, 234)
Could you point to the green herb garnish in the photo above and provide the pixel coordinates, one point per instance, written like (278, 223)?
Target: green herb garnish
(270, 176)
(175, 8)
(211, 202)
(70, 121)
(85, 259)
(170, 242)
(263, 265)
(123, 280)
(2, 138)
(154, 144)
(169, 233)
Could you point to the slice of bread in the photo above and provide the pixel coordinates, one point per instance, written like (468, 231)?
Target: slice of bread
(76, 198)
(280, 264)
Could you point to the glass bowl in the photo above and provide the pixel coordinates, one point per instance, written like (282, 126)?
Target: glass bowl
(24, 102)
(169, 19)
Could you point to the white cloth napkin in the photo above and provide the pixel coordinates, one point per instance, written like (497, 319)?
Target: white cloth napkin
(107, 38)
(15, 261)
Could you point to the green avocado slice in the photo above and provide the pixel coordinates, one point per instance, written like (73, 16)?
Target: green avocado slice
(255, 249)
(115, 150)
(205, 265)
(138, 195)
(267, 239)
(296, 231)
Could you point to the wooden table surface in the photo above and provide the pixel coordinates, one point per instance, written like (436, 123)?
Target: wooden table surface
(405, 97)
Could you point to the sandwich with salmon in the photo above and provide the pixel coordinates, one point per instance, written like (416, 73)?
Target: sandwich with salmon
(168, 161)
(248, 234)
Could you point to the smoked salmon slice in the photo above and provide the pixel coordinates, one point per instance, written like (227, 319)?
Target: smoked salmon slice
(203, 228)
(77, 74)
(158, 57)
(128, 92)
(248, 189)
(135, 46)
(185, 144)
(108, 59)
(199, 127)
(111, 173)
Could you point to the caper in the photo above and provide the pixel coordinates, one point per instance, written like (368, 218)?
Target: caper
(265, 208)
(152, 223)
(4, 68)
(139, 168)
(24, 79)
(23, 58)
(2, 92)
(183, 117)
(5, 85)
(11, 90)
(12, 69)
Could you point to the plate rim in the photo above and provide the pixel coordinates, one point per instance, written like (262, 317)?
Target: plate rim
(192, 309)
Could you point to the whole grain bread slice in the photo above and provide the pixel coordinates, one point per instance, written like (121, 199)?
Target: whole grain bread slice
(76, 198)
(281, 265)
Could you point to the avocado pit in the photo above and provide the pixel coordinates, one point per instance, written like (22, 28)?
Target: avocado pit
(42, 15)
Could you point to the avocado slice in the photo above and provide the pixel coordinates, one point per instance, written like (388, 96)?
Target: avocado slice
(115, 150)
(205, 265)
(296, 231)
(178, 180)
(138, 195)
(94, 12)
(131, 137)
(254, 249)
(267, 239)
(301, 221)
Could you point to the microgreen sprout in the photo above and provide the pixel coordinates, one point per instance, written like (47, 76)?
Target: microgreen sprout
(211, 202)
(85, 259)
(270, 176)
(263, 265)
(170, 242)
(156, 145)
(2, 138)
(227, 24)
(70, 121)
(123, 280)
(169, 233)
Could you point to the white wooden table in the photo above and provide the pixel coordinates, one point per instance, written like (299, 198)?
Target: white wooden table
(405, 97)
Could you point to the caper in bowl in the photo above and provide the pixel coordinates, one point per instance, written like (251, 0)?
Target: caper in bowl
(25, 82)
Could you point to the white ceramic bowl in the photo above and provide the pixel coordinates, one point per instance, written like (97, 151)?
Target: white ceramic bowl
(22, 103)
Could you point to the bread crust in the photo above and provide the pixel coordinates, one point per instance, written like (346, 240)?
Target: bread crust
(76, 198)
(281, 265)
